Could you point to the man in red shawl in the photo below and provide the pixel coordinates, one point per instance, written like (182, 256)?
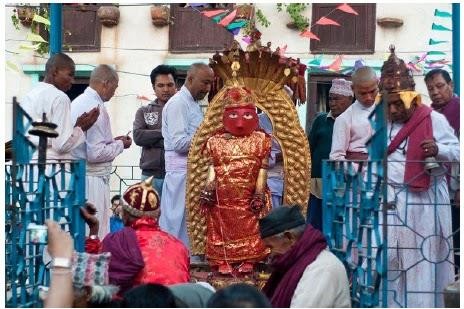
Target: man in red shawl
(236, 194)
(141, 253)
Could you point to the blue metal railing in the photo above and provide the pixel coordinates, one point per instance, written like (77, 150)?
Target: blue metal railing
(32, 196)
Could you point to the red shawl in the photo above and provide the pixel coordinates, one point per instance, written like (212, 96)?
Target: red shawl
(289, 267)
(417, 128)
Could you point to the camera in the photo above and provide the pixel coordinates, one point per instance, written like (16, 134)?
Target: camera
(37, 233)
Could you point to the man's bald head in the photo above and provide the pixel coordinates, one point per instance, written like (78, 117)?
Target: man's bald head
(104, 80)
(103, 73)
(200, 77)
(365, 86)
(363, 75)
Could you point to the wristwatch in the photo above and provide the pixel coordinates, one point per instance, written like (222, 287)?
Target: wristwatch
(93, 237)
(61, 262)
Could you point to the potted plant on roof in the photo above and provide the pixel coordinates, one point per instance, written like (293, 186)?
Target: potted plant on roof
(108, 14)
(295, 11)
(160, 15)
(25, 15)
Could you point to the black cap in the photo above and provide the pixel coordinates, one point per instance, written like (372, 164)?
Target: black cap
(280, 220)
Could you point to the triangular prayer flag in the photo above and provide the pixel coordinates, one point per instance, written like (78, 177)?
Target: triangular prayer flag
(316, 61)
(246, 39)
(347, 9)
(236, 24)
(336, 65)
(309, 34)
(439, 27)
(218, 18)
(194, 5)
(442, 13)
(358, 64)
(234, 31)
(283, 50)
(433, 42)
(324, 21)
(434, 52)
(212, 13)
(228, 19)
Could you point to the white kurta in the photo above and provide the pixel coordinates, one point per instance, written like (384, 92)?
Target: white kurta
(421, 222)
(324, 284)
(181, 117)
(46, 98)
(99, 150)
(351, 131)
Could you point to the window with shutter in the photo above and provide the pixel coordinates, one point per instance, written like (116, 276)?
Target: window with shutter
(191, 32)
(81, 28)
(355, 35)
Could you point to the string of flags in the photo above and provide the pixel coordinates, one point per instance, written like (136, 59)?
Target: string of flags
(325, 21)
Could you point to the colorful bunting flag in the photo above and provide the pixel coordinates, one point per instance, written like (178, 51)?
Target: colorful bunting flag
(234, 31)
(236, 24)
(439, 27)
(228, 19)
(283, 50)
(346, 8)
(433, 42)
(442, 13)
(434, 52)
(195, 5)
(316, 61)
(324, 21)
(246, 39)
(336, 65)
(308, 34)
(218, 18)
(212, 13)
(358, 64)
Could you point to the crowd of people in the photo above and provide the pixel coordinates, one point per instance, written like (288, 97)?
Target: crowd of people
(149, 220)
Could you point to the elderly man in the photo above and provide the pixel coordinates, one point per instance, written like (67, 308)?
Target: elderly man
(306, 274)
(181, 117)
(100, 148)
(49, 97)
(352, 129)
(141, 252)
(440, 88)
(419, 218)
(147, 125)
(320, 141)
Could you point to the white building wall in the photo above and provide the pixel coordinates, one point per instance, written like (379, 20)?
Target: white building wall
(135, 47)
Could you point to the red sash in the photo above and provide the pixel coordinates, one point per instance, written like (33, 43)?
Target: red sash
(417, 128)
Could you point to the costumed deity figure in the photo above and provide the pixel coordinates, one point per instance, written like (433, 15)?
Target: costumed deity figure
(233, 172)
(236, 194)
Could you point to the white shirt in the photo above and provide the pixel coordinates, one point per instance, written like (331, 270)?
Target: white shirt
(324, 284)
(99, 147)
(181, 117)
(46, 98)
(351, 131)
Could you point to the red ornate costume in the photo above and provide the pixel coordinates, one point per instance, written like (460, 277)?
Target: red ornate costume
(236, 190)
(142, 253)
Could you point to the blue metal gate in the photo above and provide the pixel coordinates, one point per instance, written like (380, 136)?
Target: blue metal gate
(375, 228)
(32, 195)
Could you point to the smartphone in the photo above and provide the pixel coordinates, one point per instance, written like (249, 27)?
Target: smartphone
(38, 234)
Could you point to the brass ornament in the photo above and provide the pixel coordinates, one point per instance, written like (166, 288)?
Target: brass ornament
(261, 72)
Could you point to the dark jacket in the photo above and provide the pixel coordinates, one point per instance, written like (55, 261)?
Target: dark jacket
(147, 133)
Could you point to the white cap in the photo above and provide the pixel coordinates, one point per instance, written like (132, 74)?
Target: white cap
(342, 87)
